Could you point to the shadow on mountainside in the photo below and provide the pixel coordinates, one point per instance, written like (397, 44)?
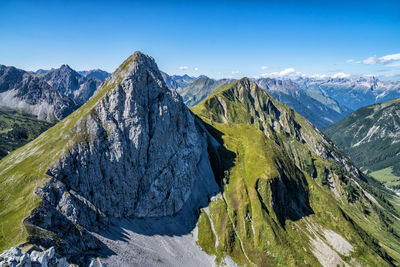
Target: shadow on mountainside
(183, 222)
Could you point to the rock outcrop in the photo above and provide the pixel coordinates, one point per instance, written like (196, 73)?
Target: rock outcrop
(15, 257)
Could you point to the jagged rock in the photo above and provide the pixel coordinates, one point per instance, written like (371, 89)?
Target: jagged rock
(20, 89)
(141, 156)
(72, 84)
(15, 257)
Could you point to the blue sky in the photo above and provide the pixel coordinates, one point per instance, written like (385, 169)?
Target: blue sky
(215, 38)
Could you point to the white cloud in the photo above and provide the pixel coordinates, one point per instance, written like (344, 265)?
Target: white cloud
(340, 75)
(287, 71)
(318, 76)
(292, 73)
(264, 67)
(183, 67)
(235, 72)
(196, 68)
(381, 60)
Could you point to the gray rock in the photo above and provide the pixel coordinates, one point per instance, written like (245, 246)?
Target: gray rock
(62, 262)
(20, 89)
(50, 252)
(25, 261)
(72, 84)
(15, 257)
(141, 157)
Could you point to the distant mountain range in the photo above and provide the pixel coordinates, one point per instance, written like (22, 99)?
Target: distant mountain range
(353, 93)
(48, 94)
(20, 89)
(97, 73)
(177, 82)
(321, 111)
(72, 84)
(200, 88)
(371, 137)
(322, 102)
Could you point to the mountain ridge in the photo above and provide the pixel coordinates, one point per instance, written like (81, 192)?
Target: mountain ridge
(250, 198)
(372, 128)
(19, 89)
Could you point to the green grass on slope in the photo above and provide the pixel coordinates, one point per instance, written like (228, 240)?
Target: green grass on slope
(387, 177)
(248, 228)
(24, 169)
(355, 135)
(246, 206)
(18, 128)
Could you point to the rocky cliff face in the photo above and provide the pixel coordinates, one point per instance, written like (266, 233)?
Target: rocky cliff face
(139, 154)
(19, 89)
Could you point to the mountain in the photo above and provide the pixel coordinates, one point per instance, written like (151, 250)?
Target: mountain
(353, 93)
(97, 73)
(371, 137)
(133, 150)
(20, 89)
(72, 84)
(288, 196)
(17, 128)
(177, 82)
(42, 71)
(318, 109)
(199, 89)
(133, 177)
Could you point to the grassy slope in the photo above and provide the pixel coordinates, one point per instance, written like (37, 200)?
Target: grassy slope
(24, 169)
(356, 125)
(18, 128)
(254, 167)
(387, 177)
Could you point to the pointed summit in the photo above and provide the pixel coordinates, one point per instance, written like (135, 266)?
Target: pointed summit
(137, 64)
(133, 150)
(65, 67)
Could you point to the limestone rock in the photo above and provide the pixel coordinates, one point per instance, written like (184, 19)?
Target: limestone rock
(141, 156)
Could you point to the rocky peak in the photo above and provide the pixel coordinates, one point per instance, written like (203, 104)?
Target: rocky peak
(72, 84)
(66, 67)
(20, 89)
(137, 152)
